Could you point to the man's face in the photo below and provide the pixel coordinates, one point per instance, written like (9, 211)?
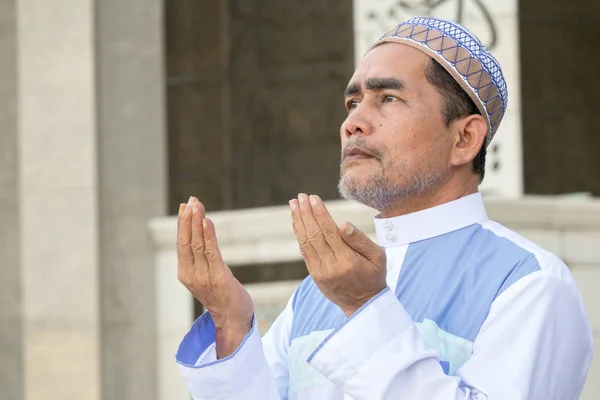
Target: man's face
(395, 142)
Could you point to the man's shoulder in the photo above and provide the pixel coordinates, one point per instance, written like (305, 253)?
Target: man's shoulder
(553, 280)
(548, 262)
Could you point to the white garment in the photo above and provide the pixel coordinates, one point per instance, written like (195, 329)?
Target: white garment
(472, 311)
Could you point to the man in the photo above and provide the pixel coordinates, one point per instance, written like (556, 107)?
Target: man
(449, 305)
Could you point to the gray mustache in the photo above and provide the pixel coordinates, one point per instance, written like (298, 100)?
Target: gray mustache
(360, 144)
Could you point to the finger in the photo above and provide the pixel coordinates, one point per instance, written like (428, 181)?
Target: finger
(211, 249)
(184, 237)
(313, 230)
(362, 244)
(329, 228)
(197, 234)
(179, 214)
(306, 249)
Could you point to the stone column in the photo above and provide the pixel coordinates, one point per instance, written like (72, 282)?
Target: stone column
(58, 196)
(11, 341)
(132, 190)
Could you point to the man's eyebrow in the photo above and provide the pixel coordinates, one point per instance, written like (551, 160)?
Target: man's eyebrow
(375, 84)
(384, 83)
(352, 89)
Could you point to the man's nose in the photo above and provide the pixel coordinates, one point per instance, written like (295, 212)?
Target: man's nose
(357, 123)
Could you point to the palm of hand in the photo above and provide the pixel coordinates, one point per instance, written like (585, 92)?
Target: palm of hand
(203, 272)
(347, 266)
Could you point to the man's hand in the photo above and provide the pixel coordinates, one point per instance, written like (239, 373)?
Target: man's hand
(202, 271)
(347, 266)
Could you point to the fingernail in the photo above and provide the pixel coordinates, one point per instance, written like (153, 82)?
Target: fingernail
(204, 223)
(313, 200)
(302, 197)
(195, 210)
(181, 207)
(349, 229)
(190, 201)
(293, 205)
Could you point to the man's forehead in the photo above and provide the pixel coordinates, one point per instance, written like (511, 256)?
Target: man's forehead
(390, 59)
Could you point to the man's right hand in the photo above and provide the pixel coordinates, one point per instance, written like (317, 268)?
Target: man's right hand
(202, 271)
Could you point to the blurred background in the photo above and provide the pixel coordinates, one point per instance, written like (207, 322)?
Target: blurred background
(112, 112)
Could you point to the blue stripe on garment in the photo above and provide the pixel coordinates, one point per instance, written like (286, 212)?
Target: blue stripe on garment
(453, 279)
(313, 311)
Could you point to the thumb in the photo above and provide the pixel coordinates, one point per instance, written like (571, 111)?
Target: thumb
(362, 244)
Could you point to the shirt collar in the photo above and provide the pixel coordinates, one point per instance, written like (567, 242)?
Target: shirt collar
(431, 222)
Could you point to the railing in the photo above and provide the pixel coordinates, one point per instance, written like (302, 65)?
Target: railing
(569, 228)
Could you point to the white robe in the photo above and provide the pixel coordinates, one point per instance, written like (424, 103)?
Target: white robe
(472, 311)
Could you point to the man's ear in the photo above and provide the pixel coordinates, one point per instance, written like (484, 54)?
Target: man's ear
(470, 135)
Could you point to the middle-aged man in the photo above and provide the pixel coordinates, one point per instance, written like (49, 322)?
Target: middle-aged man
(449, 305)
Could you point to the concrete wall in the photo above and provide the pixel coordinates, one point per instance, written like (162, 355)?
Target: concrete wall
(569, 228)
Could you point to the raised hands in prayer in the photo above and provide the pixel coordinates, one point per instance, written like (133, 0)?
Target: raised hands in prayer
(347, 266)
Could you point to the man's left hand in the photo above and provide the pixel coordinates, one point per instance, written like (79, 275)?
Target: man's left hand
(347, 266)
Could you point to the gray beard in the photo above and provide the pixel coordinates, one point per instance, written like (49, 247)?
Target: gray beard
(378, 193)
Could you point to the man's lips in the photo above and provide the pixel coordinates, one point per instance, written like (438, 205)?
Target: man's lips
(355, 154)
(356, 157)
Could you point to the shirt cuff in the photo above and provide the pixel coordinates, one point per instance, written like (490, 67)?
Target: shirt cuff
(342, 354)
(198, 342)
(207, 377)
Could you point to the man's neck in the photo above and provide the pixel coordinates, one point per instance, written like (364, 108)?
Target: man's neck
(451, 190)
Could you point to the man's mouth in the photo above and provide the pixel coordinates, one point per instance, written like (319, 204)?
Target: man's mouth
(355, 154)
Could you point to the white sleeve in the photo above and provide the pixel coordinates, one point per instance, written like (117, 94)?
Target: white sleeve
(256, 370)
(536, 344)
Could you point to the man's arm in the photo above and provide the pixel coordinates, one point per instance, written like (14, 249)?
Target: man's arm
(536, 344)
(256, 370)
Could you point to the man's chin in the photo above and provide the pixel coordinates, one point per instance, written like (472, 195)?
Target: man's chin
(355, 182)
(361, 169)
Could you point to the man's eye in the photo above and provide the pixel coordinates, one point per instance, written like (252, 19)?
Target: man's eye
(389, 98)
(351, 104)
